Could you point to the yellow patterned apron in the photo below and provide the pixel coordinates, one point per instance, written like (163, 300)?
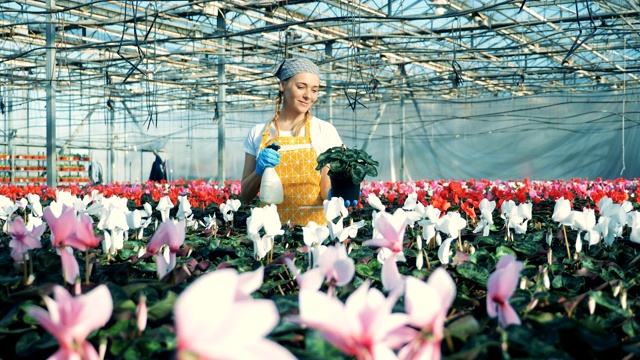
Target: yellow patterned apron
(300, 179)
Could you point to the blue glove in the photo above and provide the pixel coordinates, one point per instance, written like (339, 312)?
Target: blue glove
(266, 158)
(347, 203)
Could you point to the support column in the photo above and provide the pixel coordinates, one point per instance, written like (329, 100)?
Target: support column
(328, 50)
(222, 28)
(112, 152)
(402, 123)
(52, 154)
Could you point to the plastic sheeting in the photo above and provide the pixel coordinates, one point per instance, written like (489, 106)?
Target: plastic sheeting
(556, 136)
(540, 138)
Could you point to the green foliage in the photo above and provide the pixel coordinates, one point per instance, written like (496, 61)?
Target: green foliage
(556, 321)
(348, 163)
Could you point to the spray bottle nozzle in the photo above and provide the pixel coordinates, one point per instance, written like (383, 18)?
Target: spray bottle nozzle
(274, 146)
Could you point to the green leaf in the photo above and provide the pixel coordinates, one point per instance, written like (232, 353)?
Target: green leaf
(9, 317)
(132, 353)
(595, 336)
(483, 258)
(318, 348)
(364, 270)
(362, 253)
(526, 340)
(127, 305)
(125, 253)
(163, 307)
(557, 282)
(503, 250)
(286, 304)
(488, 240)
(116, 329)
(118, 346)
(371, 170)
(473, 272)
(337, 167)
(530, 245)
(464, 327)
(24, 346)
(631, 328)
(118, 295)
(605, 300)
(571, 283)
(358, 172)
(31, 342)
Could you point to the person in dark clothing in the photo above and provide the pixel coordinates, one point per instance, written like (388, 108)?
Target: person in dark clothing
(95, 173)
(158, 169)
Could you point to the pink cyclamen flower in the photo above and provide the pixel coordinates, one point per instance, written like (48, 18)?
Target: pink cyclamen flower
(22, 240)
(364, 327)
(334, 266)
(310, 280)
(141, 313)
(390, 276)
(500, 287)
(427, 305)
(389, 231)
(213, 322)
(169, 233)
(337, 266)
(62, 226)
(84, 237)
(71, 319)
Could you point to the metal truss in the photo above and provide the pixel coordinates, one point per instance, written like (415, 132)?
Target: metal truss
(150, 53)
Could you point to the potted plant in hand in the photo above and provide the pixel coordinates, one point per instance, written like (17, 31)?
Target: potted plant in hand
(347, 169)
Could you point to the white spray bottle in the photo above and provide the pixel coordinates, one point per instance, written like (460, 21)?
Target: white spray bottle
(271, 187)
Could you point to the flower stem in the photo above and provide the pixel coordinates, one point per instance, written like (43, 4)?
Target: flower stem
(86, 267)
(24, 269)
(427, 258)
(566, 241)
(449, 340)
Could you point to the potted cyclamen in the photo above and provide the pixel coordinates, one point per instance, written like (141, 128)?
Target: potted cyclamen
(347, 169)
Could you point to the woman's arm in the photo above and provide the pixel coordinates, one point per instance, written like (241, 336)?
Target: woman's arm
(325, 183)
(250, 180)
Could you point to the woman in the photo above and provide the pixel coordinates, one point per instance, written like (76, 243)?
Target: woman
(301, 138)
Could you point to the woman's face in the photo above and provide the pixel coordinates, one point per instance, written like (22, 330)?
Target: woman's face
(300, 92)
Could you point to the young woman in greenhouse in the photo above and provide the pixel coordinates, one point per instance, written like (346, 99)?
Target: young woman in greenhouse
(301, 138)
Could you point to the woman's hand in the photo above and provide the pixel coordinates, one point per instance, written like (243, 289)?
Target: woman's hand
(347, 203)
(266, 158)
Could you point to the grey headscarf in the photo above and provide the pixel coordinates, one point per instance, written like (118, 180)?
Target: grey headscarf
(292, 67)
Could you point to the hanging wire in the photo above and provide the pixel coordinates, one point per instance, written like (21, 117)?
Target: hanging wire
(577, 43)
(457, 70)
(624, 99)
(151, 93)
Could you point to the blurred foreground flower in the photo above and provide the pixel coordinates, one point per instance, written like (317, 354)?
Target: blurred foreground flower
(214, 320)
(364, 327)
(71, 319)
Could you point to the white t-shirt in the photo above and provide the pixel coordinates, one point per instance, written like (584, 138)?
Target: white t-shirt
(323, 136)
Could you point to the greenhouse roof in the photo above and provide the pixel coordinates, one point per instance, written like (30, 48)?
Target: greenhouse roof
(170, 52)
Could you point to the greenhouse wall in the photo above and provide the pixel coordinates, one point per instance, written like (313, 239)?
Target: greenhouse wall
(542, 137)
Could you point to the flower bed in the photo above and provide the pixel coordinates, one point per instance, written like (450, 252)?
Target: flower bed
(466, 269)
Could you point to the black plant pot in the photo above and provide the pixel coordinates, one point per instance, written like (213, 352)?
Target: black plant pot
(344, 188)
